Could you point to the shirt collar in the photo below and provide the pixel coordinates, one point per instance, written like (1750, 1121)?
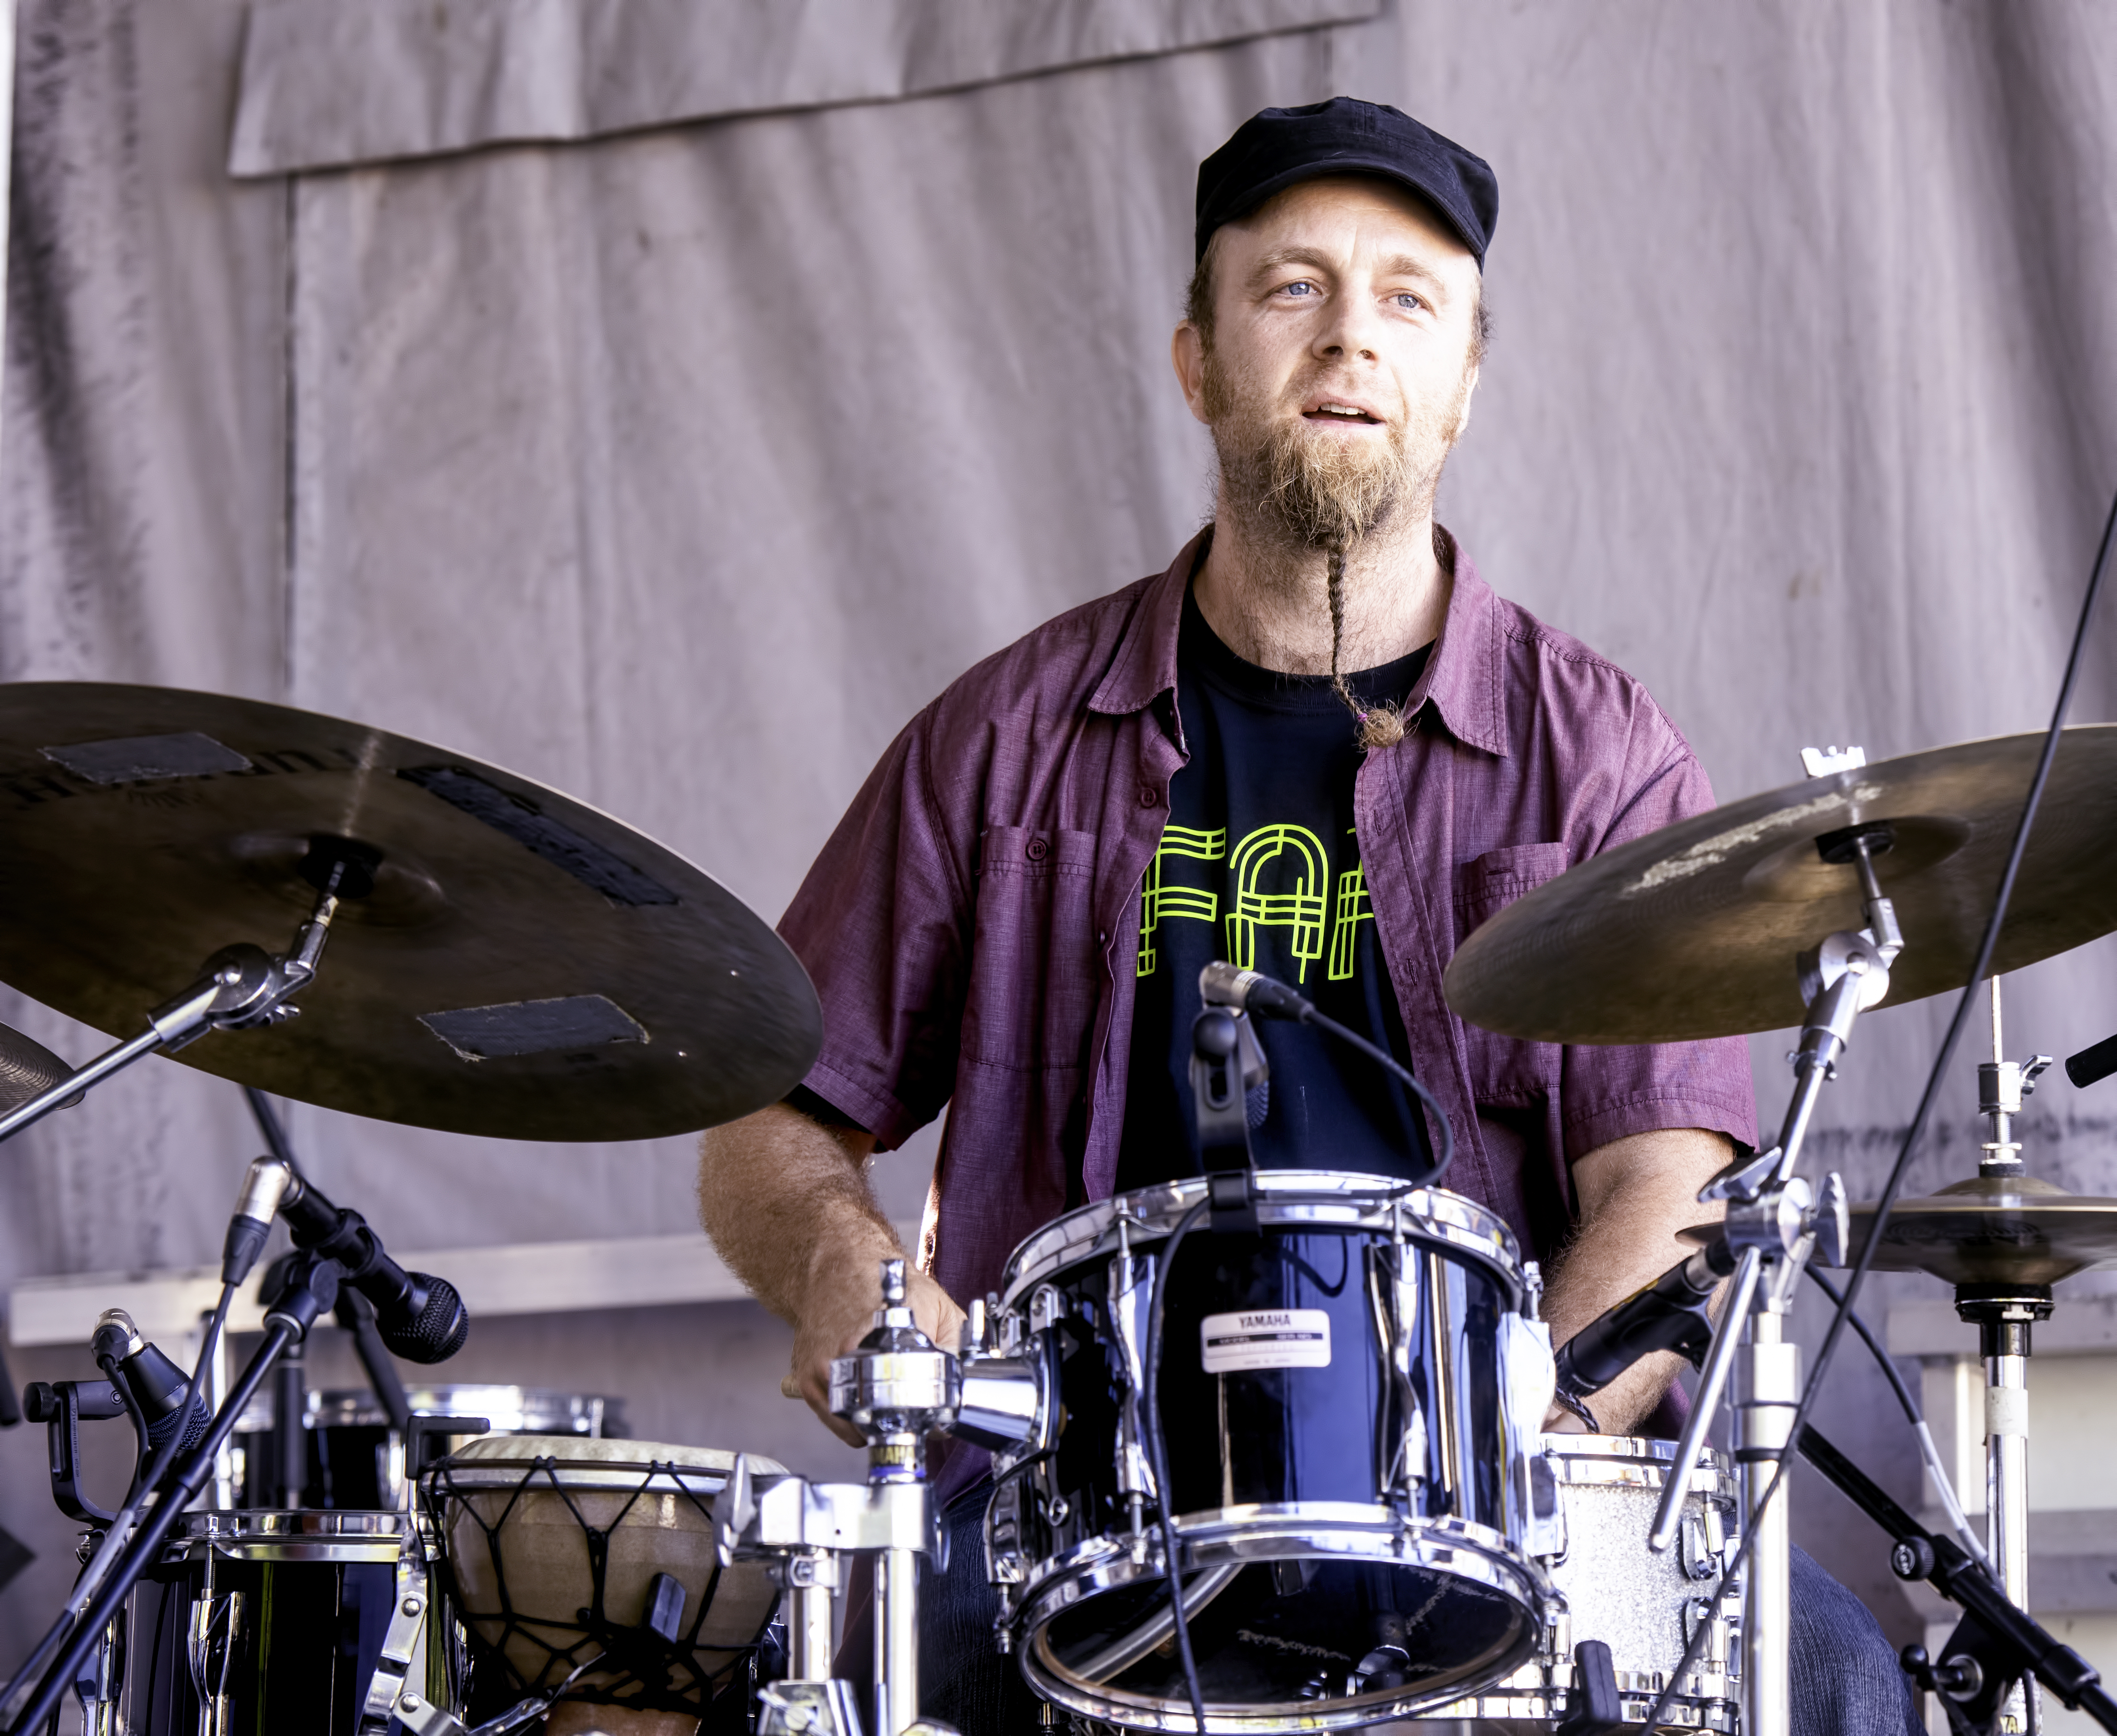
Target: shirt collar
(1144, 666)
(1462, 681)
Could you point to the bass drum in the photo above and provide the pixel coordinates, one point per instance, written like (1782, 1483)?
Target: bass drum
(1352, 1390)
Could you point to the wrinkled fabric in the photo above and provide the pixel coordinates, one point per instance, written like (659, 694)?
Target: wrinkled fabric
(973, 924)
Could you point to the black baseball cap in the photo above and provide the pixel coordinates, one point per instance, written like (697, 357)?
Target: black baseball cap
(1276, 147)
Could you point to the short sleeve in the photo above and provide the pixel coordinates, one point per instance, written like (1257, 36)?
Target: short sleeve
(880, 923)
(1609, 1092)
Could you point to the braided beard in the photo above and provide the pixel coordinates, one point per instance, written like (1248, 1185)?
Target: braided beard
(1316, 493)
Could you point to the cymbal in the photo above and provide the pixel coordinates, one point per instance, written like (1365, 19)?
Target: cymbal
(28, 1070)
(1990, 1230)
(524, 965)
(1693, 930)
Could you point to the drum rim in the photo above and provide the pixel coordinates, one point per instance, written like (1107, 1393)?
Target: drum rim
(292, 1534)
(1328, 1198)
(1443, 1544)
(357, 1407)
(1632, 1461)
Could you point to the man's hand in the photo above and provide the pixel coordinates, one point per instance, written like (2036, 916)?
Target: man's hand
(1635, 1195)
(843, 1301)
(786, 1202)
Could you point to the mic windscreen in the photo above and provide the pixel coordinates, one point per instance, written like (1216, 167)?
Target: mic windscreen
(190, 1422)
(437, 1333)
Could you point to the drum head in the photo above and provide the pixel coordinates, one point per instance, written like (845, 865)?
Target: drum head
(1274, 1645)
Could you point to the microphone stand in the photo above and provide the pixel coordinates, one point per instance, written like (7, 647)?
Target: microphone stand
(1774, 1221)
(1994, 1645)
(312, 1287)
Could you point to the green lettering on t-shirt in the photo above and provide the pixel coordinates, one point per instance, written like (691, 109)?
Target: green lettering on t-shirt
(1191, 903)
(1297, 909)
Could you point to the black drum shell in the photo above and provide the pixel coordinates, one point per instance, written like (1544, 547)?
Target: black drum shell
(1297, 1466)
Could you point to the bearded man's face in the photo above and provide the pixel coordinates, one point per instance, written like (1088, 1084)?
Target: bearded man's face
(1344, 349)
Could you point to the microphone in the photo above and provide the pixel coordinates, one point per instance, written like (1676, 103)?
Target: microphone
(420, 1317)
(1248, 990)
(263, 1188)
(2094, 1063)
(1669, 1313)
(158, 1387)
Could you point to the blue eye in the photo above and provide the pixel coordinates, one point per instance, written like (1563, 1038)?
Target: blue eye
(1410, 302)
(1302, 288)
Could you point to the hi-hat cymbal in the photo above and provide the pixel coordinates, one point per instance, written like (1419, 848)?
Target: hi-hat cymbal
(1693, 931)
(1993, 1230)
(524, 966)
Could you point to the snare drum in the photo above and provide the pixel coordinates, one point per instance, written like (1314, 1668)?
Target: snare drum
(1352, 1393)
(256, 1622)
(1642, 1605)
(559, 1550)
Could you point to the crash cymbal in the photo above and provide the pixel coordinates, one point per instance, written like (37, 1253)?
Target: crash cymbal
(523, 966)
(1993, 1230)
(1693, 931)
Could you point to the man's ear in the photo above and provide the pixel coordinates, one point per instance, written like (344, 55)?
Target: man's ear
(1469, 392)
(1187, 355)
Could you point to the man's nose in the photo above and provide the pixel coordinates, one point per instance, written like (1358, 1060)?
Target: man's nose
(1354, 330)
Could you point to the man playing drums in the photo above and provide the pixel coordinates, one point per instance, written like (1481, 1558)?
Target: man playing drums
(1317, 745)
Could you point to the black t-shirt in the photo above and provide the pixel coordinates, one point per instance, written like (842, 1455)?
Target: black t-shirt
(1259, 865)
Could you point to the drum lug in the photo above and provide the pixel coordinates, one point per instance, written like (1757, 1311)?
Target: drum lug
(403, 1643)
(1131, 1287)
(1003, 1535)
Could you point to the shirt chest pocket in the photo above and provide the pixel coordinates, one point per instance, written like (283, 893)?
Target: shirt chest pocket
(1505, 1069)
(1035, 981)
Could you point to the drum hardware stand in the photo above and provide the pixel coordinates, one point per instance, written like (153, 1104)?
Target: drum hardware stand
(1995, 1644)
(311, 1288)
(898, 1389)
(238, 988)
(2003, 1315)
(1774, 1222)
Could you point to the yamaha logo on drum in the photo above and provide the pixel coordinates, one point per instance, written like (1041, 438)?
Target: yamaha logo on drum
(1269, 1337)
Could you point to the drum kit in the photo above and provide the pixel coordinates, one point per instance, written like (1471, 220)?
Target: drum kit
(1269, 1448)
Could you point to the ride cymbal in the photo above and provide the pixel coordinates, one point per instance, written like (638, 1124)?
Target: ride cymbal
(523, 965)
(1693, 931)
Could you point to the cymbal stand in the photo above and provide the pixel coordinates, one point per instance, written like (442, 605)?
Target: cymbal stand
(239, 987)
(2003, 1313)
(1774, 1222)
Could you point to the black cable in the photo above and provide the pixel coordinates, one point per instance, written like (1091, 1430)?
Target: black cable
(1888, 1365)
(1980, 965)
(1157, 1454)
(1382, 1058)
(143, 1448)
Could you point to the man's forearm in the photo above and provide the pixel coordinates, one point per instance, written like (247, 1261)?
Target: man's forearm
(1635, 1195)
(786, 1201)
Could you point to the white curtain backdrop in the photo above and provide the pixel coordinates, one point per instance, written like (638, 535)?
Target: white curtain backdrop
(678, 459)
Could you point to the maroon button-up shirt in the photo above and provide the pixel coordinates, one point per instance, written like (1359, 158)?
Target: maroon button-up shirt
(973, 923)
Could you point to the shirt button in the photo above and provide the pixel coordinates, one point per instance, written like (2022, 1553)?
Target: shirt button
(1149, 796)
(1038, 850)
